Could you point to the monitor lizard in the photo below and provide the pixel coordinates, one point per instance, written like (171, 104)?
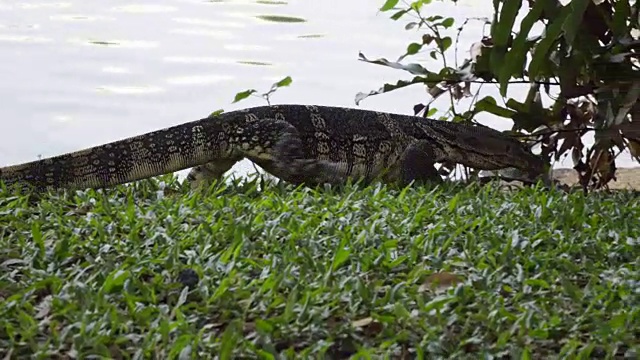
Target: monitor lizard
(300, 144)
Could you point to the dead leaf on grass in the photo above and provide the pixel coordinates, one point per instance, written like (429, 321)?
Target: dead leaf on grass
(440, 281)
(368, 324)
(362, 322)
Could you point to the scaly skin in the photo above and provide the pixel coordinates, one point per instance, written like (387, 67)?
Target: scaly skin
(296, 143)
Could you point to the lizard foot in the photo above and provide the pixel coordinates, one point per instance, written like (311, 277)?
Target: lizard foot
(202, 176)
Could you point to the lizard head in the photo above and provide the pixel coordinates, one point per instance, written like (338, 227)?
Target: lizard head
(530, 167)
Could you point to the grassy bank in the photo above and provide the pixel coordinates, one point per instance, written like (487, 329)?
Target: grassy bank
(149, 271)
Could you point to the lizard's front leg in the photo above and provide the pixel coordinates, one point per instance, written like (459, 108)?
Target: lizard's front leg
(417, 164)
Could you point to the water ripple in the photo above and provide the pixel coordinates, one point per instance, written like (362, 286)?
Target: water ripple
(21, 26)
(204, 32)
(198, 79)
(270, 2)
(211, 23)
(246, 47)
(280, 18)
(24, 39)
(79, 17)
(62, 118)
(114, 43)
(255, 63)
(289, 37)
(311, 36)
(115, 70)
(46, 5)
(212, 60)
(198, 60)
(129, 90)
(140, 8)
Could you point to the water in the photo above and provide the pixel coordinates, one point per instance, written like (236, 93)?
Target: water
(82, 73)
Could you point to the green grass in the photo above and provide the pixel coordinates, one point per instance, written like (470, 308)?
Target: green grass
(156, 272)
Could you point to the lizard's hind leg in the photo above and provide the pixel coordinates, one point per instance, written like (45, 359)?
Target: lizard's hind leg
(202, 176)
(278, 148)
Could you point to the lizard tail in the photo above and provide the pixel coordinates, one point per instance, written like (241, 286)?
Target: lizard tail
(155, 153)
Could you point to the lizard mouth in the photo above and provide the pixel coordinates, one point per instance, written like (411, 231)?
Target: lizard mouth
(515, 174)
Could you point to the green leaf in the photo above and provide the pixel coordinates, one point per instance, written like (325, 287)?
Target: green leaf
(585, 352)
(342, 254)
(416, 5)
(284, 82)
(390, 87)
(36, 235)
(437, 303)
(620, 17)
(415, 69)
(220, 290)
(517, 106)
(399, 14)
(574, 20)
(515, 59)
(264, 355)
(264, 326)
(216, 113)
(183, 297)
(179, 345)
(229, 340)
(410, 25)
(448, 22)
(489, 105)
(539, 333)
(115, 280)
(570, 289)
(541, 53)
(413, 48)
(501, 32)
(619, 321)
(446, 43)
(389, 4)
(537, 282)
(400, 311)
(292, 301)
(397, 261)
(243, 95)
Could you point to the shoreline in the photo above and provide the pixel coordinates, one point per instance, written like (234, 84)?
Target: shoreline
(626, 177)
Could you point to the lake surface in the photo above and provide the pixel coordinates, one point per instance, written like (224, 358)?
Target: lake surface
(81, 73)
